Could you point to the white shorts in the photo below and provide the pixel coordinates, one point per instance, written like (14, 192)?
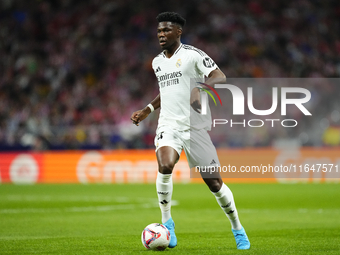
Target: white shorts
(197, 145)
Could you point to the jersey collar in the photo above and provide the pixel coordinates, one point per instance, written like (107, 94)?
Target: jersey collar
(179, 47)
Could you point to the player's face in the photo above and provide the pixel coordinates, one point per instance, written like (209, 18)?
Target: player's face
(168, 34)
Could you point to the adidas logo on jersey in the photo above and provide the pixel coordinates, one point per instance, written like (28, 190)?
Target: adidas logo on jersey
(158, 69)
(213, 162)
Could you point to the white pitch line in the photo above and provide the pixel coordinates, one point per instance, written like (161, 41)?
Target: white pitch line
(301, 210)
(69, 198)
(83, 208)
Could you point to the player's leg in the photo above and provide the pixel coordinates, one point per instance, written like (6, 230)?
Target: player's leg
(166, 158)
(203, 154)
(224, 197)
(169, 146)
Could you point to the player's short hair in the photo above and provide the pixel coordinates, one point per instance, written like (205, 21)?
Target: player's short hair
(172, 17)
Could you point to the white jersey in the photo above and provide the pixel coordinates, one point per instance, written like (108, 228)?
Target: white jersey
(176, 77)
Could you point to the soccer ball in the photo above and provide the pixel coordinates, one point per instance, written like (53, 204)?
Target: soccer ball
(155, 237)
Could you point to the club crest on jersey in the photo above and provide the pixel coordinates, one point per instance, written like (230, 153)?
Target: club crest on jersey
(179, 63)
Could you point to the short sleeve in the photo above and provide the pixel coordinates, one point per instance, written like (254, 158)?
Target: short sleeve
(204, 63)
(153, 65)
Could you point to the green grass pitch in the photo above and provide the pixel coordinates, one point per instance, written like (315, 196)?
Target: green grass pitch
(109, 219)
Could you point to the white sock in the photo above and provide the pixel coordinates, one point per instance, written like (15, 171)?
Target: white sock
(225, 199)
(164, 192)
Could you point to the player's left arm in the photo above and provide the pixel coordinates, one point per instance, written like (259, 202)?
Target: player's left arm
(216, 77)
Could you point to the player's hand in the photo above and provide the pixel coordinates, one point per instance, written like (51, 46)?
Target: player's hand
(196, 105)
(195, 100)
(140, 115)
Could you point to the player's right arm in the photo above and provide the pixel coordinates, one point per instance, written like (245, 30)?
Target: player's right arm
(140, 115)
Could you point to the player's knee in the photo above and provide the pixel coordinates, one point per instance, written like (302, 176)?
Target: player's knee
(166, 168)
(214, 185)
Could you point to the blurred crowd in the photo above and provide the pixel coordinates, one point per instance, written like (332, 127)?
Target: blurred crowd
(72, 72)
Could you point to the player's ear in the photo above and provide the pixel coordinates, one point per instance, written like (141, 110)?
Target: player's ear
(179, 32)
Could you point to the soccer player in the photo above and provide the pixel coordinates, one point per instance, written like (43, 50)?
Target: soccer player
(175, 67)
